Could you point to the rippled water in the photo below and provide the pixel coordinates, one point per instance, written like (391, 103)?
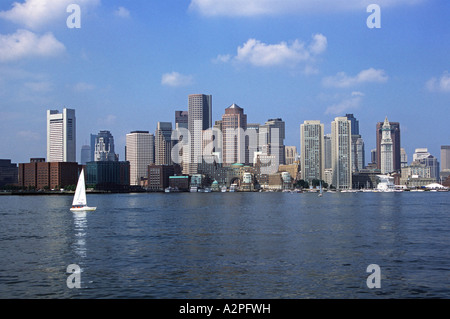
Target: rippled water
(233, 245)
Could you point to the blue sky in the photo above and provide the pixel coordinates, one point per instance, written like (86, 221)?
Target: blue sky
(133, 63)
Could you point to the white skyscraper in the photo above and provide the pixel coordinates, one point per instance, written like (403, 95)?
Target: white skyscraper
(140, 152)
(312, 150)
(387, 155)
(341, 157)
(61, 136)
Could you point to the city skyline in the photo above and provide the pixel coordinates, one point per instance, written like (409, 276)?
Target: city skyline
(130, 66)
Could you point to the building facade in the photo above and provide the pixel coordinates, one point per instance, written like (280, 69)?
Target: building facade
(396, 144)
(113, 176)
(42, 175)
(312, 150)
(140, 152)
(104, 147)
(9, 174)
(386, 149)
(61, 136)
(200, 119)
(163, 143)
(234, 146)
(341, 158)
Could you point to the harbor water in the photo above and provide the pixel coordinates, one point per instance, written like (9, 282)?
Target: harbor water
(227, 245)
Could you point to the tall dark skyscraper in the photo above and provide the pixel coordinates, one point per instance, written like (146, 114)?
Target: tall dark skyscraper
(354, 123)
(181, 119)
(396, 148)
(200, 119)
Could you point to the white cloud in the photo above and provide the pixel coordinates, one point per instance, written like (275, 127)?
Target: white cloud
(39, 87)
(34, 14)
(257, 53)
(247, 8)
(342, 80)
(83, 87)
(122, 12)
(349, 103)
(441, 84)
(176, 79)
(24, 43)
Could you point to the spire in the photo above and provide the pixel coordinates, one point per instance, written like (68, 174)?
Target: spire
(386, 124)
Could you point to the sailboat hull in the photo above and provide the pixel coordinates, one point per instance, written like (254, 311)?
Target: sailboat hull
(83, 209)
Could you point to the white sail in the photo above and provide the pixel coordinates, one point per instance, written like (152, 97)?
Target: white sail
(80, 193)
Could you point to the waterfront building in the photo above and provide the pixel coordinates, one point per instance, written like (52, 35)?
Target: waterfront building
(158, 176)
(61, 136)
(214, 170)
(341, 153)
(112, 176)
(39, 174)
(163, 143)
(140, 152)
(395, 137)
(293, 170)
(234, 146)
(104, 147)
(386, 149)
(200, 119)
(312, 150)
(8, 173)
(181, 182)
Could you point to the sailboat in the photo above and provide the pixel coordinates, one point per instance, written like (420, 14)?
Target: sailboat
(321, 191)
(79, 203)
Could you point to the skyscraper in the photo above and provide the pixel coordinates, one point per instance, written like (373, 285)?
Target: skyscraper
(140, 148)
(386, 149)
(354, 123)
(181, 119)
(396, 147)
(445, 157)
(200, 119)
(312, 150)
(234, 146)
(104, 147)
(163, 143)
(341, 153)
(271, 139)
(327, 150)
(358, 156)
(61, 136)
(85, 154)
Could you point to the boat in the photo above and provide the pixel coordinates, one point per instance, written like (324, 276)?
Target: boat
(193, 189)
(321, 190)
(79, 203)
(223, 189)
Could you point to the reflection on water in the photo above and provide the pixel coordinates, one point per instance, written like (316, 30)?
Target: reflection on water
(80, 228)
